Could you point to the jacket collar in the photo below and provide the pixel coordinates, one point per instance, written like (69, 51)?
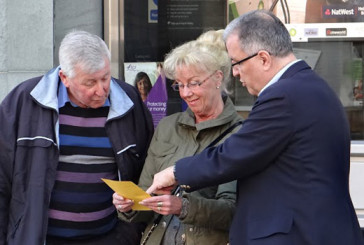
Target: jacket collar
(292, 70)
(278, 75)
(227, 115)
(46, 94)
(296, 67)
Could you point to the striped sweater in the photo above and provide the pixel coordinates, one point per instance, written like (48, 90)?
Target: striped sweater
(81, 203)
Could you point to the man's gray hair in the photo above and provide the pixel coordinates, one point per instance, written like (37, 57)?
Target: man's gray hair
(83, 49)
(260, 30)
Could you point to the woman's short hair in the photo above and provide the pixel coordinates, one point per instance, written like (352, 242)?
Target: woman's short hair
(207, 53)
(80, 48)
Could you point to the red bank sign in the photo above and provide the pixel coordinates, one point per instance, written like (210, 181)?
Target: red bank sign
(342, 11)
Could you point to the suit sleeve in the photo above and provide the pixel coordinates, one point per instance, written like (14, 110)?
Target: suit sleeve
(264, 134)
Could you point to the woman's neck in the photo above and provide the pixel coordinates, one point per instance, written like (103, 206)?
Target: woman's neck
(214, 114)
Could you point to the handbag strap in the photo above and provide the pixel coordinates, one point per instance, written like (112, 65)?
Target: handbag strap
(177, 190)
(223, 134)
(156, 221)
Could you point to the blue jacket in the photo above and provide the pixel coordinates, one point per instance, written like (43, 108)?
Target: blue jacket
(291, 159)
(29, 150)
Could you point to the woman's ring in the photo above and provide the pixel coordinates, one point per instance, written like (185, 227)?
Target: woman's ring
(119, 206)
(159, 209)
(160, 204)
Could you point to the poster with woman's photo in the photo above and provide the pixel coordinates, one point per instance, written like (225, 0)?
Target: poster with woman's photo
(150, 81)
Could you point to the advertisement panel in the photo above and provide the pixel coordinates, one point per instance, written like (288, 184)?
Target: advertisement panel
(311, 19)
(150, 81)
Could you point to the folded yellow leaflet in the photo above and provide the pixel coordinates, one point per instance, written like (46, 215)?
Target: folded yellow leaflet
(129, 190)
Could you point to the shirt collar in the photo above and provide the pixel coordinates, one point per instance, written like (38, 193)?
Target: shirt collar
(63, 97)
(278, 75)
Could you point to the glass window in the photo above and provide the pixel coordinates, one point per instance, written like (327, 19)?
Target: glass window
(340, 63)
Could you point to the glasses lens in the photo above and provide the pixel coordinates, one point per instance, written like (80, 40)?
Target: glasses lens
(193, 84)
(175, 87)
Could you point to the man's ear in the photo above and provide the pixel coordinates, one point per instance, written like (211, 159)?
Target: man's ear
(265, 58)
(63, 78)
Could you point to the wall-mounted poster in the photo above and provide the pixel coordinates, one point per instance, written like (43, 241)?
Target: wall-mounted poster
(150, 81)
(311, 19)
(304, 11)
(153, 27)
(131, 69)
(140, 31)
(324, 11)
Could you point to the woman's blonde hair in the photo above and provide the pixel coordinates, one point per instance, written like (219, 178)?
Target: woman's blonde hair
(207, 53)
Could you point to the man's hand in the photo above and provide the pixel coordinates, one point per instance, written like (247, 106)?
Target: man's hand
(163, 182)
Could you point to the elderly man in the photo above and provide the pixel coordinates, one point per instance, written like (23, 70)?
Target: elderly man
(59, 135)
(291, 157)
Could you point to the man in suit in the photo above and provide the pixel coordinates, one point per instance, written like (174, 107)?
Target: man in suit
(291, 157)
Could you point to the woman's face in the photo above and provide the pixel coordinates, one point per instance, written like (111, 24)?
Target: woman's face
(142, 86)
(202, 99)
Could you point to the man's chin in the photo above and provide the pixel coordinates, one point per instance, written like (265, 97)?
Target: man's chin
(96, 104)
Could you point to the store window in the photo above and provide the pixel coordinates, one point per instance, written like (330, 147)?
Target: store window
(327, 34)
(340, 63)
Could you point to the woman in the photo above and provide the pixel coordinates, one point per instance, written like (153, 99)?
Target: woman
(201, 70)
(143, 84)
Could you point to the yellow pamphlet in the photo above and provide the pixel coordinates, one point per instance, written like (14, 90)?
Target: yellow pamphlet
(129, 190)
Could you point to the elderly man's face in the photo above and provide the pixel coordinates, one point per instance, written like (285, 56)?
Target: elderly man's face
(88, 90)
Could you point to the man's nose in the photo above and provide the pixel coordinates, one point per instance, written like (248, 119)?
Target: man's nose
(100, 89)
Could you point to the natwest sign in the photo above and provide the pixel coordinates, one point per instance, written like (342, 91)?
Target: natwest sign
(340, 12)
(350, 12)
(337, 11)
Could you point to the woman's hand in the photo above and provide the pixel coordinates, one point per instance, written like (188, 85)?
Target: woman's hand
(165, 204)
(122, 204)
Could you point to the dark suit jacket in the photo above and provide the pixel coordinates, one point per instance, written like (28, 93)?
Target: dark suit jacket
(291, 159)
